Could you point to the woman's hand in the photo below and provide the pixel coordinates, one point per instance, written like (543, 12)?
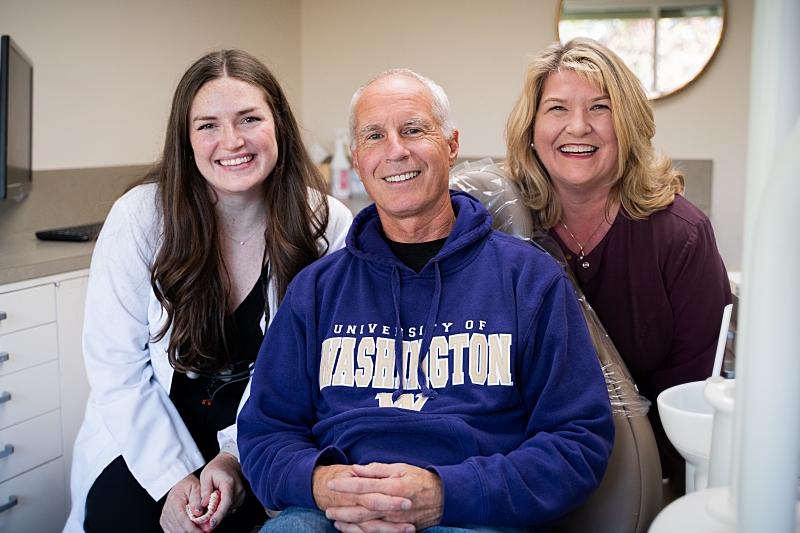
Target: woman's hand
(173, 515)
(223, 473)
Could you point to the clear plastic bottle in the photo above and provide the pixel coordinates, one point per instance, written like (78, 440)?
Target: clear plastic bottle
(357, 189)
(340, 167)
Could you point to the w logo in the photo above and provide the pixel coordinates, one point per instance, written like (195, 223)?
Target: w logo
(405, 401)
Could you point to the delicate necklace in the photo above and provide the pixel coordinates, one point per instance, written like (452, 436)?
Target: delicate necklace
(581, 253)
(237, 241)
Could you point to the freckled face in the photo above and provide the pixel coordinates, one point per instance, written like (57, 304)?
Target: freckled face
(232, 133)
(574, 133)
(401, 155)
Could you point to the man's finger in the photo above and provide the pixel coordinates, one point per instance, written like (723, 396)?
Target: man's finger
(379, 470)
(384, 502)
(392, 489)
(357, 485)
(352, 514)
(373, 526)
(376, 498)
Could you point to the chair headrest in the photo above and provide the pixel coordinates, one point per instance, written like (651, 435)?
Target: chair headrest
(491, 184)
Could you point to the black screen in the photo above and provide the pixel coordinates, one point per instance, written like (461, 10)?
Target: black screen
(16, 120)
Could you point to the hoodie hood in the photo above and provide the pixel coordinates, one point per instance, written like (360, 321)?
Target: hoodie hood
(366, 241)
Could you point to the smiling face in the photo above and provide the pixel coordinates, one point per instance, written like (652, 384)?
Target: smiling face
(400, 153)
(232, 134)
(574, 134)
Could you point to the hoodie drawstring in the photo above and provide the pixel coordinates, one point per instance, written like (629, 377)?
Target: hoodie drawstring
(398, 334)
(427, 336)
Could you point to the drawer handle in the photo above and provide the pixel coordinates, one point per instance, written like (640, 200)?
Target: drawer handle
(8, 450)
(5, 397)
(3, 357)
(3, 315)
(12, 501)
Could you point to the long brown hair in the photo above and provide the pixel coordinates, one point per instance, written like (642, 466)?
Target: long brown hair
(189, 276)
(645, 180)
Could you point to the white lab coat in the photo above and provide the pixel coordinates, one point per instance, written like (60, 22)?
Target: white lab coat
(129, 412)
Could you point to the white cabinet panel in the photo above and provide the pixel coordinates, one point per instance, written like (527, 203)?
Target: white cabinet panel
(28, 347)
(34, 442)
(33, 391)
(40, 507)
(70, 301)
(27, 308)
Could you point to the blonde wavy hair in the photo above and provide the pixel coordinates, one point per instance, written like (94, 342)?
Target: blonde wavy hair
(645, 181)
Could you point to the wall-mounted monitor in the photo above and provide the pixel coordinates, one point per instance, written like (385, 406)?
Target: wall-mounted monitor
(16, 120)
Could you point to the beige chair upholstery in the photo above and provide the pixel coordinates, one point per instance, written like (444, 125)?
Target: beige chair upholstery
(629, 496)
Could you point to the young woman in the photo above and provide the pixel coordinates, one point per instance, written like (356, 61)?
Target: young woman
(189, 268)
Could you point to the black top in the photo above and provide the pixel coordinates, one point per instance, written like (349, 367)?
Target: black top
(208, 405)
(415, 255)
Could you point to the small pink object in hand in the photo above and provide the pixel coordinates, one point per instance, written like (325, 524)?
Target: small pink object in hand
(212, 506)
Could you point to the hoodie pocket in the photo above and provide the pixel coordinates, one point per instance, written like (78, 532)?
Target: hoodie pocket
(422, 441)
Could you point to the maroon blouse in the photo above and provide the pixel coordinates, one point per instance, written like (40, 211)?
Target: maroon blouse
(659, 286)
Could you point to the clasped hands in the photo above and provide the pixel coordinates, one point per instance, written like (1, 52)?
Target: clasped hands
(378, 497)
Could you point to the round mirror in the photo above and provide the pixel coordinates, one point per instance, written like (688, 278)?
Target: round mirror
(667, 43)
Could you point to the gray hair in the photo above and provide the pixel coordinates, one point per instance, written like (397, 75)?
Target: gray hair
(440, 105)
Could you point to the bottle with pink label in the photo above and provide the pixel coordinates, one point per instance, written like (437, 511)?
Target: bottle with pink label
(340, 167)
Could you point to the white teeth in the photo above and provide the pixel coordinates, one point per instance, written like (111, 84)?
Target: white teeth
(578, 149)
(402, 177)
(237, 161)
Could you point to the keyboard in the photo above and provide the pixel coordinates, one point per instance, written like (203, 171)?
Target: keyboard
(82, 233)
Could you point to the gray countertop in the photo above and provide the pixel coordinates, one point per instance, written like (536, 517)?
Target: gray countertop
(26, 257)
(58, 198)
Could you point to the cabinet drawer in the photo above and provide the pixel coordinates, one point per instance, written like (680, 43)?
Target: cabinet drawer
(41, 500)
(35, 442)
(27, 308)
(28, 347)
(33, 391)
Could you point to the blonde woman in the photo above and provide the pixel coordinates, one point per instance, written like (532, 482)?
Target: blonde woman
(579, 143)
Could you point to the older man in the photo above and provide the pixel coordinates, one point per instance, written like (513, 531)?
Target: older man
(433, 373)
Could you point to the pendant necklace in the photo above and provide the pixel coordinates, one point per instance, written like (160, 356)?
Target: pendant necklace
(581, 253)
(237, 241)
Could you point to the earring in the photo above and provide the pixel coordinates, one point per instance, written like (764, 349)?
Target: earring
(532, 146)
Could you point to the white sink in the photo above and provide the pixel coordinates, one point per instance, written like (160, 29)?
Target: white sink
(688, 419)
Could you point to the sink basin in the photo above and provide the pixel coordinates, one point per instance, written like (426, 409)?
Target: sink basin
(688, 420)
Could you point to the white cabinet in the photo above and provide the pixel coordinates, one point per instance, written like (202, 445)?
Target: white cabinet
(70, 303)
(43, 391)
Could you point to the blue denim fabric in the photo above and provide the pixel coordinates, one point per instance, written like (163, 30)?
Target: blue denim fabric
(302, 520)
(299, 520)
(473, 529)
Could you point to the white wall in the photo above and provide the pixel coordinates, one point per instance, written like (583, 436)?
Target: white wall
(476, 50)
(105, 70)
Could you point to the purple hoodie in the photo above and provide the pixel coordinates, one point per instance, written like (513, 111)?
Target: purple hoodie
(502, 394)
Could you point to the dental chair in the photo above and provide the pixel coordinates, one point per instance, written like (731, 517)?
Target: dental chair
(629, 496)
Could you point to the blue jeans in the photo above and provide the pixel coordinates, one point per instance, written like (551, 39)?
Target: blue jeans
(302, 520)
